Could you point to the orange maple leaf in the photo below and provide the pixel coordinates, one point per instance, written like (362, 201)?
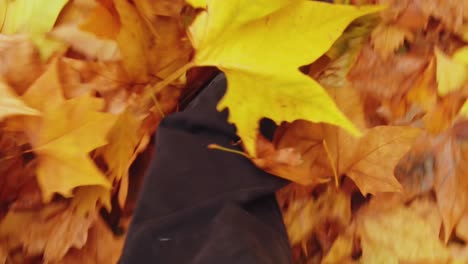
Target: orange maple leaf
(64, 135)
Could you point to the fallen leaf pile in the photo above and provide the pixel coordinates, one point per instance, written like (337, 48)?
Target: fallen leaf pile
(370, 99)
(398, 193)
(79, 103)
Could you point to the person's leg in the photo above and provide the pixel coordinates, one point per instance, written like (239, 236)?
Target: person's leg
(205, 206)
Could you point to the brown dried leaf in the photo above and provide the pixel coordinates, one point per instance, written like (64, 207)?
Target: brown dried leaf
(276, 161)
(386, 39)
(369, 160)
(3, 255)
(451, 185)
(386, 78)
(16, 173)
(108, 79)
(406, 13)
(151, 9)
(101, 23)
(171, 43)
(449, 12)
(415, 15)
(415, 170)
(305, 215)
(51, 231)
(375, 156)
(308, 145)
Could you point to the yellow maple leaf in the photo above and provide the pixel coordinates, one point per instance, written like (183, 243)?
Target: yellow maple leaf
(451, 74)
(461, 55)
(86, 198)
(33, 17)
(11, 103)
(260, 48)
(329, 151)
(64, 135)
(124, 136)
(197, 3)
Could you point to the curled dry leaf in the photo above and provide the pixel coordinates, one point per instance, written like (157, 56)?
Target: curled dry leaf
(305, 140)
(86, 43)
(276, 161)
(107, 79)
(21, 63)
(50, 232)
(89, 29)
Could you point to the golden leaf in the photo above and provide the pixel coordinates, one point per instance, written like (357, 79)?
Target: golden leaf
(258, 49)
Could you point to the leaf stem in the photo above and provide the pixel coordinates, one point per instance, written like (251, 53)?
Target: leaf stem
(335, 173)
(218, 147)
(168, 80)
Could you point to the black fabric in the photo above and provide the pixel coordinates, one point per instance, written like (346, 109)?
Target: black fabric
(205, 206)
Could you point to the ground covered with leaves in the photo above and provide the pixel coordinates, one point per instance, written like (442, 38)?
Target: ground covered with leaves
(369, 98)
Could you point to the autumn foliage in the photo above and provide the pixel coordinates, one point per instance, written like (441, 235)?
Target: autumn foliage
(369, 98)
